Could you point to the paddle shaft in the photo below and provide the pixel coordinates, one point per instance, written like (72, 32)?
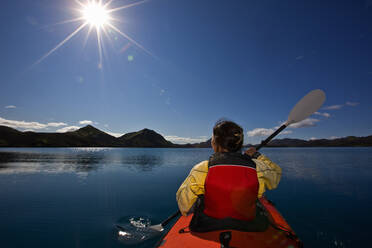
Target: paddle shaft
(170, 218)
(268, 139)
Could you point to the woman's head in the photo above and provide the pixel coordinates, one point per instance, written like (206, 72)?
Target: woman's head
(227, 136)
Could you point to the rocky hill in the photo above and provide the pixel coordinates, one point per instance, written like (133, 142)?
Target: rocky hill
(340, 142)
(90, 136)
(144, 138)
(86, 136)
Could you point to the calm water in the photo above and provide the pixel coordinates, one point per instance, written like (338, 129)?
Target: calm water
(73, 197)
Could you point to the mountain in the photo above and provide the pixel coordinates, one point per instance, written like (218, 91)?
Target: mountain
(87, 136)
(346, 141)
(84, 137)
(205, 144)
(287, 143)
(9, 136)
(340, 142)
(90, 136)
(144, 138)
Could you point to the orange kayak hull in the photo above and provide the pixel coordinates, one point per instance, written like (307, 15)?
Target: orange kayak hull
(279, 234)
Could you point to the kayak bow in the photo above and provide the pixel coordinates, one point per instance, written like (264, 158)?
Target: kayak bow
(278, 234)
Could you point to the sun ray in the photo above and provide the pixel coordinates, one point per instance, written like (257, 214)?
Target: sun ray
(80, 3)
(69, 21)
(130, 39)
(116, 20)
(103, 44)
(99, 48)
(87, 36)
(62, 22)
(126, 6)
(108, 3)
(61, 43)
(107, 35)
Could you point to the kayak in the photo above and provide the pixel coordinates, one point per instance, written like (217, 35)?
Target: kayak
(277, 234)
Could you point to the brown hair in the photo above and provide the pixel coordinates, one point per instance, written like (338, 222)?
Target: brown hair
(228, 135)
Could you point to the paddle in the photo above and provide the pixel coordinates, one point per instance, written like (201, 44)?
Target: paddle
(307, 106)
(160, 227)
(143, 232)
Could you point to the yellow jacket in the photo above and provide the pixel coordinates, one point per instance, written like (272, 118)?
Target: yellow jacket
(268, 174)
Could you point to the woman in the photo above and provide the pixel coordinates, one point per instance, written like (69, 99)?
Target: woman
(223, 191)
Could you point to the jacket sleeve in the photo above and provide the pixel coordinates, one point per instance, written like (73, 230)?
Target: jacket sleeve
(192, 187)
(268, 174)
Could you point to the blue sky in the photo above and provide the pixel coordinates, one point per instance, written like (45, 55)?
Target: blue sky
(248, 61)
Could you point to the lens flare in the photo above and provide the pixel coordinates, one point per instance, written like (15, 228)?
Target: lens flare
(96, 15)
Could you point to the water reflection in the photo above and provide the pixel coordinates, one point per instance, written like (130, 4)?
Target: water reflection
(78, 160)
(330, 169)
(320, 191)
(25, 162)
(144, 162)
(345, 171)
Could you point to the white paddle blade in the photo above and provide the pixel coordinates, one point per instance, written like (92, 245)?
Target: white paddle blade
(307, 106)
(158, 227)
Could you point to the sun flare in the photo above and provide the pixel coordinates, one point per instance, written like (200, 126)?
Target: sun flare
(96, 14)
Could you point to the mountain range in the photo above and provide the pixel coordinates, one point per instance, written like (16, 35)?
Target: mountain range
(90, 136)
(87, 136)
(339, 142)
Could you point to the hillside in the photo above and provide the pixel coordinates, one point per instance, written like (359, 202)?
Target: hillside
(87, 136)
(340, 142)
(90, 136)
(144, 138)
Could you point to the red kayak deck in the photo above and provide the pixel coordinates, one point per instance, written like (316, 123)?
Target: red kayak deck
(279, 234)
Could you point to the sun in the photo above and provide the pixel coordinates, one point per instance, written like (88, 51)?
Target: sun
(96, 14)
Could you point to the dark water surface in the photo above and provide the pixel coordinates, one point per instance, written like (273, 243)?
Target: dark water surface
(72, 197)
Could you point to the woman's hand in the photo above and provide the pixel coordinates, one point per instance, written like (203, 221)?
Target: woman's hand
(251, 151)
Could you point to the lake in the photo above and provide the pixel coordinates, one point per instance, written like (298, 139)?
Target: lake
(72, 197)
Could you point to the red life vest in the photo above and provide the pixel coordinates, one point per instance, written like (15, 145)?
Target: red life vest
(231, 187)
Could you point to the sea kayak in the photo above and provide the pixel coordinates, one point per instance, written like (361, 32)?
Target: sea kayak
(277, 234)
